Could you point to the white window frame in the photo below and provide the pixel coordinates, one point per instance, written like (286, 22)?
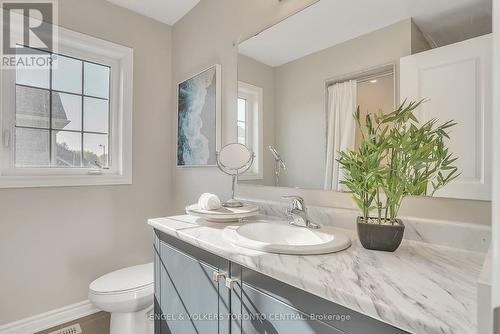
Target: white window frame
(246, 120)
(120, 59)
(254, 96)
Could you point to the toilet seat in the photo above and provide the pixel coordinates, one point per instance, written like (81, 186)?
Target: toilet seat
(128, 294)
(125, 290)
(127, 280)
(131, 301)
(132, 292)
(122, 292)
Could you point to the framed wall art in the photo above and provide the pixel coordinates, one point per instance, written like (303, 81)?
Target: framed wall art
(199, 119)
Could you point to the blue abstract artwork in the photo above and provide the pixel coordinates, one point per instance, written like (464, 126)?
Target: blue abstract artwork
(198, 119)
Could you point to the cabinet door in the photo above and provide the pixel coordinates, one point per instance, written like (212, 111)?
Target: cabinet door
(261, 304)
(189, 298)
(263, 314)
(458, 83)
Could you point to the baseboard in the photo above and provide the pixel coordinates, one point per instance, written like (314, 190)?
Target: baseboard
(49, 319)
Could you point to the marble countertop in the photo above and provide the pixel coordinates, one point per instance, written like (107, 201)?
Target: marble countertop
(421, 288)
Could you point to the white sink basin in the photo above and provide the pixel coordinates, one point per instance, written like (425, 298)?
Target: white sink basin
(280, 237)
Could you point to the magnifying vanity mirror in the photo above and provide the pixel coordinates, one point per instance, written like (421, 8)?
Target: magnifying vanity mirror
(234, 160)
(301, 80)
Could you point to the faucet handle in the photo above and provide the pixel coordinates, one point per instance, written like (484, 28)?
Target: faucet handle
(297, 202)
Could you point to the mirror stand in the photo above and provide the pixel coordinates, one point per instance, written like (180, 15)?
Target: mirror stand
(232, 202)
(228, 163)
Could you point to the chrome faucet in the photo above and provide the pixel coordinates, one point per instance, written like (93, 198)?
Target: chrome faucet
(297, 213)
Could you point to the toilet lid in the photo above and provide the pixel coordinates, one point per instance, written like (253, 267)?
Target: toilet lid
(124, 279)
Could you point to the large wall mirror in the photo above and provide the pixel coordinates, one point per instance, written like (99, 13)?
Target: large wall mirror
(300, 81)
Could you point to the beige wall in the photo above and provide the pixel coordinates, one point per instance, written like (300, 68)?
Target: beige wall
(263, 76)
(418, 41)
(206, 36)
(55, 241)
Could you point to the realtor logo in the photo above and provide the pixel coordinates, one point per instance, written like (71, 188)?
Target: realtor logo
(28, 32)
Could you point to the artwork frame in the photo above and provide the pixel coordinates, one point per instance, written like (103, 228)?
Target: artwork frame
(199, 112)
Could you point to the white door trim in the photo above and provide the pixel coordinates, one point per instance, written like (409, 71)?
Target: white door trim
(496, 172)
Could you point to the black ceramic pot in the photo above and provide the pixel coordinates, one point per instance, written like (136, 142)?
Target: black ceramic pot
(380, 237)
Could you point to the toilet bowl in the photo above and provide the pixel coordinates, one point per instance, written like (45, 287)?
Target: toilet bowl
(128, 295)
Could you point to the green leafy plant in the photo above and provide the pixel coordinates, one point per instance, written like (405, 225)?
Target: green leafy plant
(397, 157)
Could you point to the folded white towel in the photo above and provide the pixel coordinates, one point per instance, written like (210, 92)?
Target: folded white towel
(209, 202)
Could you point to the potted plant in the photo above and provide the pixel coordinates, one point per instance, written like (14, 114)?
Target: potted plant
(397, 157)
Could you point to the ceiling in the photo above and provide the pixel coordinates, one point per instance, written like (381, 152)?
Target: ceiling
(166, 11)
(330, 22)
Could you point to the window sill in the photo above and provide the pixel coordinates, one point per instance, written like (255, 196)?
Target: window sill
(250, 177)
(63, 181)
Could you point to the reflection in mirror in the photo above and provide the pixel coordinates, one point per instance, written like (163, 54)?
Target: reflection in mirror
(250, 126)
(234, 160)
(300, 82)
(371, 90)
(279, 165)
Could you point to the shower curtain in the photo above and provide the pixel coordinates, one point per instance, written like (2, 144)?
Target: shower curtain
(341, 127)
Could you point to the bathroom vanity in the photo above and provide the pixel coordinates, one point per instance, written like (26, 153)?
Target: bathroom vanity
(204, 284)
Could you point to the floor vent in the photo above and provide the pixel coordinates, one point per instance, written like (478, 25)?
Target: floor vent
(73, 329)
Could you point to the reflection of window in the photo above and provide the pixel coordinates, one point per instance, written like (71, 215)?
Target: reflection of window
(242, 121)
(250, 127)
(68, 123)
(375, 94)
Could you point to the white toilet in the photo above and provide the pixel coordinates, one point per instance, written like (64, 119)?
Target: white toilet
(128, 295)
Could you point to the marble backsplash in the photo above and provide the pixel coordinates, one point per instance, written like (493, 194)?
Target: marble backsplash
(472, 237)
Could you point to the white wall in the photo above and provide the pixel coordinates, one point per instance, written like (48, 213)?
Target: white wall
(55, 241)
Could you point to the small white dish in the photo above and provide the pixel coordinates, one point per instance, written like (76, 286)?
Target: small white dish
(223, 215)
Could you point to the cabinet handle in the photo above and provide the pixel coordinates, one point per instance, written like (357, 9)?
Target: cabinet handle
(230, 282)
(217, 275)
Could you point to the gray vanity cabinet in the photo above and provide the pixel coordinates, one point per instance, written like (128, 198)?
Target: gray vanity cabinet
(187, 298)
(237, 300)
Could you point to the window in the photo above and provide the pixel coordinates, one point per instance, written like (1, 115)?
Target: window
(242, 121)
(69, 123)
(250, 126)
(62, 120)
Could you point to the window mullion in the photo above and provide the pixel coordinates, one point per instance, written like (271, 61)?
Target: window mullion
(83, 107)
(51, 149)
(248, 125)
(110, 122)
